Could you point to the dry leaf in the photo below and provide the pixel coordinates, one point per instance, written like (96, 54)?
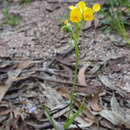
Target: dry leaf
(24, 64)
(3, 90)
(117, 116)
(63, 92)
(94, 103)
(81, 75)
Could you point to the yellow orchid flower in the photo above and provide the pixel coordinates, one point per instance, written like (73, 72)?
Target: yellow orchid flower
(88, 14)
(81, 5)
(96, 7)
(75, 15)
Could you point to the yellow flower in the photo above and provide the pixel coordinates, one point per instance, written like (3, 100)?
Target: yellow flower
(75, 15)
(96, 7)
(81, 5)
(88, 14)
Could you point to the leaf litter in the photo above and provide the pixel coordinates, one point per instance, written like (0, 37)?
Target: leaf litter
(27, 86)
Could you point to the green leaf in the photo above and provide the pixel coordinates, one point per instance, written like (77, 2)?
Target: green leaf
(52, 121)
(71, 119)
(12, 20)
(5, 12)
(67, 28)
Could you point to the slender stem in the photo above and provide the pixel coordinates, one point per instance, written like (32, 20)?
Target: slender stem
(75, 36)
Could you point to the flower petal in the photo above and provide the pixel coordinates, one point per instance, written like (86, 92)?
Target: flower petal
(88, 14)
(75, 15)
(81, 5)
(72, 7)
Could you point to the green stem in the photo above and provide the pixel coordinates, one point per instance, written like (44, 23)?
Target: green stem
(75, 36)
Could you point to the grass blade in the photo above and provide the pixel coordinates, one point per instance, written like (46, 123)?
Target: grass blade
(49, 117)
(71, 119)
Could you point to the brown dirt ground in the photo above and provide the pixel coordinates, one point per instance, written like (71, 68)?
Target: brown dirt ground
(39, 36)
